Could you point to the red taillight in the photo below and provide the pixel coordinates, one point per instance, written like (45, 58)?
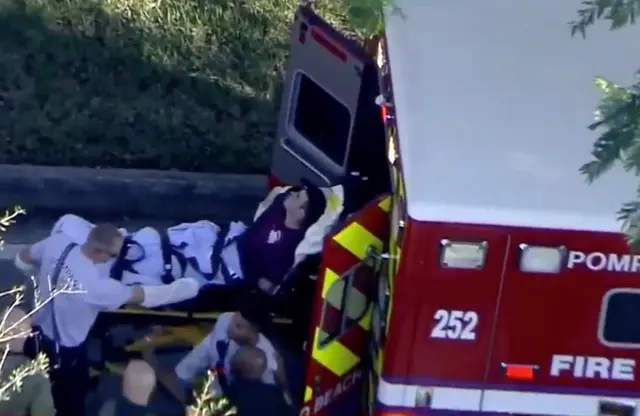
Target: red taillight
(520, 372)
(384, 113)
(319, 37)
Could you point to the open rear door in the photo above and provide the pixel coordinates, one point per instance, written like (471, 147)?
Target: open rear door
(328, 105)
(342, 313)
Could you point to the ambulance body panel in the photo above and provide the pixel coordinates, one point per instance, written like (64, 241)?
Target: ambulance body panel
(490, 120)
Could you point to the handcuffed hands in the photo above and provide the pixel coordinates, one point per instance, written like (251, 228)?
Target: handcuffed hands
(265, 285)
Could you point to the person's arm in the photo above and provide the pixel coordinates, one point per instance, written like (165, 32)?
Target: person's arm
(106, 293)
(194, 364)
(29, 257)
(281, 377)
(199, 359)
(41, 403)
(111, 294)
(265, 285)
(169, 379)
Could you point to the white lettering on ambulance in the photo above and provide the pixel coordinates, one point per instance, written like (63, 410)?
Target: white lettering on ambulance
(593, 367)
(455, 325)
(328, 397)
(604, 261)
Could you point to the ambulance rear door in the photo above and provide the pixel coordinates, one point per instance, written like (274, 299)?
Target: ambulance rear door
(329, 124)
(343, 306)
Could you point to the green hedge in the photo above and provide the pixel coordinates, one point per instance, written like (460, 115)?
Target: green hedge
(163, 84)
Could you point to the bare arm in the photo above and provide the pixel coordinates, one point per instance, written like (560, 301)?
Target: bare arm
(166, 378)
(29, 257)
(281, 378)
(25, 256)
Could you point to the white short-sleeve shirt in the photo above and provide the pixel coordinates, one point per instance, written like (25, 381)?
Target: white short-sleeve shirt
(75, 312)
(205, 355)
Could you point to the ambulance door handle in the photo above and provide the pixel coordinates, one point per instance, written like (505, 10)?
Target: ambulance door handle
(371, 252)
(316, 386)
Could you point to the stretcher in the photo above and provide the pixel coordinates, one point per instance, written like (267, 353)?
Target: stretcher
(189, 321)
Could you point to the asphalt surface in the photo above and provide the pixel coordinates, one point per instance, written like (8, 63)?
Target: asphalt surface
(107, 384)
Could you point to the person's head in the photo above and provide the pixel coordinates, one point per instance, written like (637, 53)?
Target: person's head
(18, 327)
(104, 243)
(249, 363)
(255, 398)
(138, 382)
(304, 205)
(242, 330)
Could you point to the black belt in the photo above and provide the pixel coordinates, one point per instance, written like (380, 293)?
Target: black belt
(168, 253)
(122, 264)
(217, 262)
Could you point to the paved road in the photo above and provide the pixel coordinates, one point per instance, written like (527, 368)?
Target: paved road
(108, 382)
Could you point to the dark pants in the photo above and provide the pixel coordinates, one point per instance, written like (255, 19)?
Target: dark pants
(68, 372)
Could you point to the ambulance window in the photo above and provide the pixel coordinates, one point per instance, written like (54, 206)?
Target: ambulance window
(321, 119)
(346, 303)
(619, 324)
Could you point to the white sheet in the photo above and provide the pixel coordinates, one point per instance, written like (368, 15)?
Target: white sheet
(197, 240)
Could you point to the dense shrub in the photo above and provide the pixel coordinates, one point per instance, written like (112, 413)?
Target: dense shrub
(182, 84)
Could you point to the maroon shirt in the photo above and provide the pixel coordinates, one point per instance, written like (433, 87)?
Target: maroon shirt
(267, 249)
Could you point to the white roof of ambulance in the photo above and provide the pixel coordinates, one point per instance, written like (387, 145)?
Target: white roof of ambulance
(493, 99)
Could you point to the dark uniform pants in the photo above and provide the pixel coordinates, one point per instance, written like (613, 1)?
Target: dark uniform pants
(68, 372)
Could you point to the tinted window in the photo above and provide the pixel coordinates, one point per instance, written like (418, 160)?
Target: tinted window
(620, 324)
(346, 302)
(321, 119)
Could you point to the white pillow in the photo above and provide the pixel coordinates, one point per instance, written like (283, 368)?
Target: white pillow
(315, 234)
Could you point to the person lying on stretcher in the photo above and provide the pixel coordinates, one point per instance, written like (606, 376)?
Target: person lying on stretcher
(289, 224)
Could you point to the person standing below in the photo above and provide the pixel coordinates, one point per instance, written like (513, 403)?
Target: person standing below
(33, 397)
(72, 292)
(138, 385)
(231, 332)
(234, 330)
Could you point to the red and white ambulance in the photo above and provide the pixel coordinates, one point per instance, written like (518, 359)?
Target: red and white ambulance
(479, 272)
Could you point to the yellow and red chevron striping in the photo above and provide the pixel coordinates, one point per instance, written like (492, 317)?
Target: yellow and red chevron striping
(339, 353)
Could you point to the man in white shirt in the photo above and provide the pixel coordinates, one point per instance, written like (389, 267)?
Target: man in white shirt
(72, 292)
(238, 331)
(155, 256)
(231, 333)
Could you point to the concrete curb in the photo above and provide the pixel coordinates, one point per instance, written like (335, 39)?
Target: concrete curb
(45, 190)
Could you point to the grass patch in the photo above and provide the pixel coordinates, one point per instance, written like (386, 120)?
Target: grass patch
(162, 84)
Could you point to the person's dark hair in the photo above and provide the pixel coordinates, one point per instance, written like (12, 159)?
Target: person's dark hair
(248, 361)
(255, 309)
(317, 203)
